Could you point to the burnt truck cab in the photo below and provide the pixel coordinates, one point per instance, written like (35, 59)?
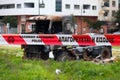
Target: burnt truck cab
(46, 25)
(61, 25)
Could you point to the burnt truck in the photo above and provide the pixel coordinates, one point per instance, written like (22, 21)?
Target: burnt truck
(61, 25)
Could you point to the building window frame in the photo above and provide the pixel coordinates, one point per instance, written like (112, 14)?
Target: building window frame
(113, 3)
(29, 5)
(94, 7)
(107, 4)
(7, 6)
(19, 5)
(67, 6)
(106, 13)
(86, 6)
(76, 6)
(113, 12)
(58, 7)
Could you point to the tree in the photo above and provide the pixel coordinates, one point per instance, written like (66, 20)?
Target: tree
(94, 25)
(11, 20)
(98, 24)
(117, 19)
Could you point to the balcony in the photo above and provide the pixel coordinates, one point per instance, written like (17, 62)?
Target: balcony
(106, 5)
(106, 8)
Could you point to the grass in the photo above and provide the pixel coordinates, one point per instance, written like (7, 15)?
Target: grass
(13, 67)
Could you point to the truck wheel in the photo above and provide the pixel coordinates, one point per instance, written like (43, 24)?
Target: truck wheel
(64, 57)
(105, 53)
(85, 56)
(45, 56)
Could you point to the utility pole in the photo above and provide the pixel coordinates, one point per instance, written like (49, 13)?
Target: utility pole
(81, 18)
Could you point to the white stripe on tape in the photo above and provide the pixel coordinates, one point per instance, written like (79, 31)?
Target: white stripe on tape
(33, 39)
(100, 40)
(67, 40)
(2, 40)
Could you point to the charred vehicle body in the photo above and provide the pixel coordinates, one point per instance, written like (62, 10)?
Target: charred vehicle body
(61, 25)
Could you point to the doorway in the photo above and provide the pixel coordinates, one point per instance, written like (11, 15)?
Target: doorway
(22, 28)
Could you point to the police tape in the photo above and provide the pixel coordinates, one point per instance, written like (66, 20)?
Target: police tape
(60, 39)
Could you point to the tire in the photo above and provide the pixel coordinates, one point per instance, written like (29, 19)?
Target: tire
(85, 56)
(105, 53)
(45, 56)
(57, 54)
(64, 57)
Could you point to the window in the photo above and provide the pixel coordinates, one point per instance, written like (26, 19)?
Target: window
(94, 7)
(1, 6)
(67, 6)
(113, 3)
(58, 5)
(106, 13)
(10, 6)
(106, 4)
(119, 5)
(113, 13)
(29, 5)
(7, 6)
(86, 6)
(18, 5)
(76, 6)
(22, 28)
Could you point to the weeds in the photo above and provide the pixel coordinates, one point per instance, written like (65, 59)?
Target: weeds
(12, 67)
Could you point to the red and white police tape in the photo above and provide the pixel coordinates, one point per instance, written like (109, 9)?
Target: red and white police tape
(60, 39)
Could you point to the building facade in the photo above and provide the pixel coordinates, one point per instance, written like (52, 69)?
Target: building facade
(107, 9)
(26, 8)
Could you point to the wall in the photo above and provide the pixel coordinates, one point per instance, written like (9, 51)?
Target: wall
(77, 12)
(19, 11)
(83, 27)
(49, 8)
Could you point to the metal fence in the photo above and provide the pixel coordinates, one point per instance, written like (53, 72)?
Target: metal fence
(12, 31)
